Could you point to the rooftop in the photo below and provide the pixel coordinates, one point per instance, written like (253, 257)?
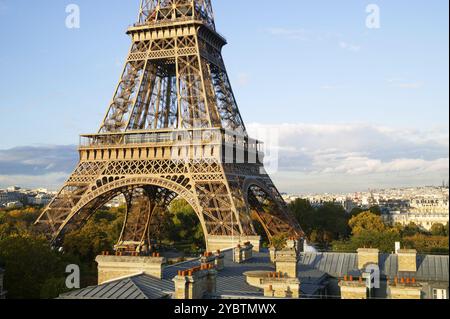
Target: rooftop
(314, 269)
(430, 267)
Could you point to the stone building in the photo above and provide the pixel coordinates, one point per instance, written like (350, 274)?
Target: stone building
(422, 219)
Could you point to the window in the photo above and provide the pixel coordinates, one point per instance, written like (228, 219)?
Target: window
(439, 293)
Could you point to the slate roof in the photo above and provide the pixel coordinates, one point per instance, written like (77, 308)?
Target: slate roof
(314, 270)
(230, 281)
(137, 287)
(430, 267)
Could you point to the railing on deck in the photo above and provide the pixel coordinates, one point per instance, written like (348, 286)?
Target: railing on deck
(171, 138)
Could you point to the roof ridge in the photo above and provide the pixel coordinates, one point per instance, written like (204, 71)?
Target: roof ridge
(131, 279)
(123, 278)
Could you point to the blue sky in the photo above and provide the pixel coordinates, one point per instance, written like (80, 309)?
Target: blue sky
(310, 69)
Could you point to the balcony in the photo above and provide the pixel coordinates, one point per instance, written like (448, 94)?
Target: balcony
(170, 138)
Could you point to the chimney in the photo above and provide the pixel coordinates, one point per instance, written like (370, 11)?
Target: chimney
(291, 243)
(208, 259)
(272, 252)
(243, 253)
(407, 260)
(181, 286)
(278, 286)
(367, 256)
(195, 283)
(397, 246)
(353, 288)
(219, 262)
(286, 260)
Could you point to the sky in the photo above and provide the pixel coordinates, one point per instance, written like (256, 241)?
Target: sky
(352, 107)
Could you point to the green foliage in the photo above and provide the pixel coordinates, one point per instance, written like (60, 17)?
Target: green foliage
(374, 210)
(30, 264)
(439, 230)
(100, 233)
(34, 270)
(383, 240)
(184, 225)
(88, 242)
(369, 230)
(427, 244)
(321, 225)
(17, 222)
(53, 287)
(411, 229)
(366, 221)
(279, 241)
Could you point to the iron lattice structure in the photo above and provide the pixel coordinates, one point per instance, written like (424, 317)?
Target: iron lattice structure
(173, 129)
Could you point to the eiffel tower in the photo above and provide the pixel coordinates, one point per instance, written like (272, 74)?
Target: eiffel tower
(172, 130)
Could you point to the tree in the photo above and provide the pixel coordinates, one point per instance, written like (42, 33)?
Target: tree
(185, 224)
(366, 221)
(89, 241)
(30, 263)
(279, 241)
(53, 287)
(374, 210)
(427, 244)
(17, 222)
(384, 241)
(322, 225)
(412, 229)
(438, 230)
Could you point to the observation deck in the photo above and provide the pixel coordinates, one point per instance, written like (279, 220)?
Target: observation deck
(193, 143)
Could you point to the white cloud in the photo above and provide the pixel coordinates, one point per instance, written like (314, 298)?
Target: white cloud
(404, 84)
(360, 165)
(312, 158)
(51, 181)
(347, 154)
(349, 46)
(37, 161)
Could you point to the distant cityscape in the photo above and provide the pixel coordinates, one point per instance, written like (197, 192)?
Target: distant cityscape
(17, 197)
(424, 206)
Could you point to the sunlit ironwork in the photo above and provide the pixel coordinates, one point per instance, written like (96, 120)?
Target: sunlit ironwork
(173, 129)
